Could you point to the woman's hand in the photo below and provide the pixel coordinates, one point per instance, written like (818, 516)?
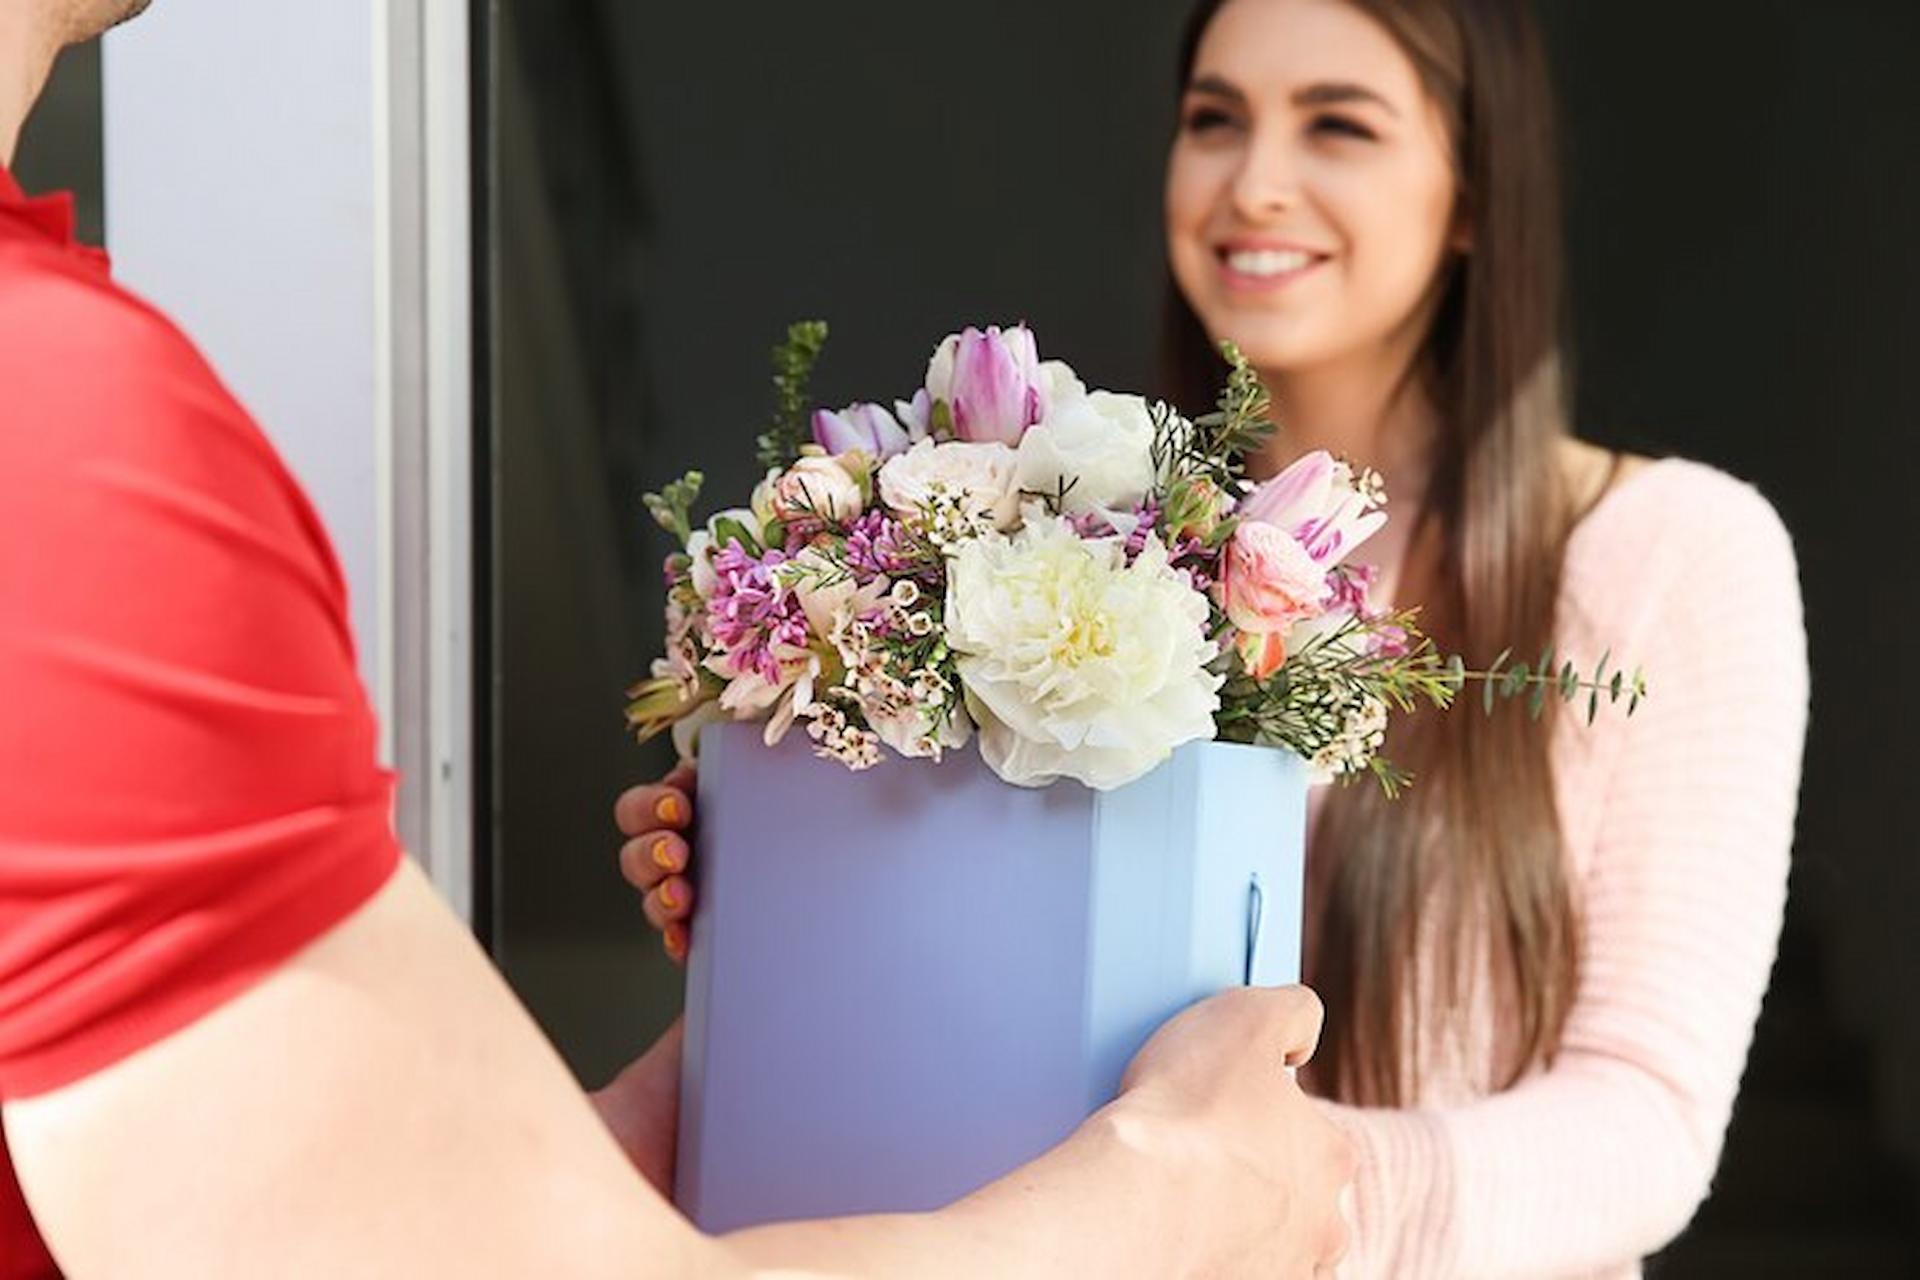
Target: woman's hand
(641, 1108)
(657, 820)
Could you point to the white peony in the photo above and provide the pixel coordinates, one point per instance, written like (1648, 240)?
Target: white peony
(1100, 447)
(1076, 664)
(1061, 384)
(978, 477)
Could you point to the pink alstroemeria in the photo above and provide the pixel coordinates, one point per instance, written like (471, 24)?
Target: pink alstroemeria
(865, 427)
(1321, 502)
(991, 383)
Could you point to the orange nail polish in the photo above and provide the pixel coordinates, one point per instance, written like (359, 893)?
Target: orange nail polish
(676, 942)
(669, 896)
(668, 810)
(663, 854)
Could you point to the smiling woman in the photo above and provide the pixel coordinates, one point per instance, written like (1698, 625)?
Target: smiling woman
(1415, 329)
(1363, 195)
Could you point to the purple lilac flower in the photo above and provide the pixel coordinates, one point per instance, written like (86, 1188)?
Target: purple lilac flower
(751, 612)
(1149, 517)
(1200, 564)
(877, 547)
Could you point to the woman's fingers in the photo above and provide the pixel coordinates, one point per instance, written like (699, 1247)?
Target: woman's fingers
(674, 939)
(649, 858)
(654, 806)
(669, 902)
(654, 818)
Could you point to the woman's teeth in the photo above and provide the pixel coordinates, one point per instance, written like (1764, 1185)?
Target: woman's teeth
(1269, 262)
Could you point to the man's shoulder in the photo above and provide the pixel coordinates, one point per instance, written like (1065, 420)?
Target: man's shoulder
(87, 368)
(54, 310)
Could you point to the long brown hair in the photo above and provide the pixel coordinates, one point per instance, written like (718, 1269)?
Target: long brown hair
(1466, 869)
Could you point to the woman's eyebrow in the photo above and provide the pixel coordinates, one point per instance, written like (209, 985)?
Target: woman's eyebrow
(1339, 92)
(1326, 93)
(1217, 87)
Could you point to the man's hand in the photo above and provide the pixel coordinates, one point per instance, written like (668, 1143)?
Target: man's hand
(1212, 1098)
(641, 1106)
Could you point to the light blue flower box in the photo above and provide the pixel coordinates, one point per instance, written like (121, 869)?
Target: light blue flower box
(906, 982)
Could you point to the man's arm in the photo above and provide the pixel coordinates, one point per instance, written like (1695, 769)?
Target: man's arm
(382, 1106)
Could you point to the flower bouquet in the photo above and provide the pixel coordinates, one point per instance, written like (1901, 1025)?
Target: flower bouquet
(1085, 586)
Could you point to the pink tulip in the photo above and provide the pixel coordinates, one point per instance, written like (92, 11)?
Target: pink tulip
(865, 427)
(991, 383)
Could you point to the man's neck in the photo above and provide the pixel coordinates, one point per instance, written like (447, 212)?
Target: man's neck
(27, 49)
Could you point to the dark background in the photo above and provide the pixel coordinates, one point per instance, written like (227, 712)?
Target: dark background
(670, 185)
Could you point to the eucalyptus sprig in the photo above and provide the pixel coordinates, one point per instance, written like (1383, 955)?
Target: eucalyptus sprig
(1539, 681)
(793, 362)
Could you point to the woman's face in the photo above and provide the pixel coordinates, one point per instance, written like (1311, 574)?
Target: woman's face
(1310, 192)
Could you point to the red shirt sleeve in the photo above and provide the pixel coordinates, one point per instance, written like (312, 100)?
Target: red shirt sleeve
(189, 788)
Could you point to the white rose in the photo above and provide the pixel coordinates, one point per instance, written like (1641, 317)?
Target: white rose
(979, 477)
(815, 486)
(1075, 663)
(1100, 447)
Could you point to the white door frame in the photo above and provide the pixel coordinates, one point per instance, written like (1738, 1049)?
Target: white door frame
(291, 181)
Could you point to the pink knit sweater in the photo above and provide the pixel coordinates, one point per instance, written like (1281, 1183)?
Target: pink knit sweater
(1677, 826)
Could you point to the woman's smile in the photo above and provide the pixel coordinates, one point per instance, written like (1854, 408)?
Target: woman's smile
(1261, 267)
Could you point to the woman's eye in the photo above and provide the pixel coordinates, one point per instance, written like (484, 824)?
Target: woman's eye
(1207, 120)
(1342, 127)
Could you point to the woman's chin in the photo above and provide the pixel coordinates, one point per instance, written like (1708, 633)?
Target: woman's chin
(1278, 346)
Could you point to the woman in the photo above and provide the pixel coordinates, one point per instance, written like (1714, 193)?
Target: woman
(1543, 965)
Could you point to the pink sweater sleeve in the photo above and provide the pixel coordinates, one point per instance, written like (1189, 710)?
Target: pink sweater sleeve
(1601, 1159)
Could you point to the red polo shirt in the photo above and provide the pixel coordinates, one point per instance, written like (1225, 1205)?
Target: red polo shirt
(189, 790)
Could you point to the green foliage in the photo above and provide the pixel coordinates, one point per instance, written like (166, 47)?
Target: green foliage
(672, 507)
(1501, 683)
(726, 529)
(793, 362)
(1214, 447)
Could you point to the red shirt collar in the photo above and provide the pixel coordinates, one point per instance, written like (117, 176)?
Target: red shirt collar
(48, 219)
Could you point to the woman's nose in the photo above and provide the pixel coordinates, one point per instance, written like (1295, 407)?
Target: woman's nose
(1268, 180)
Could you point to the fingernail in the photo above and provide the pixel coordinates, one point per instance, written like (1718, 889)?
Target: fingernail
(668, 809)
(663, 854)
(669, 895)
(675, 939)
